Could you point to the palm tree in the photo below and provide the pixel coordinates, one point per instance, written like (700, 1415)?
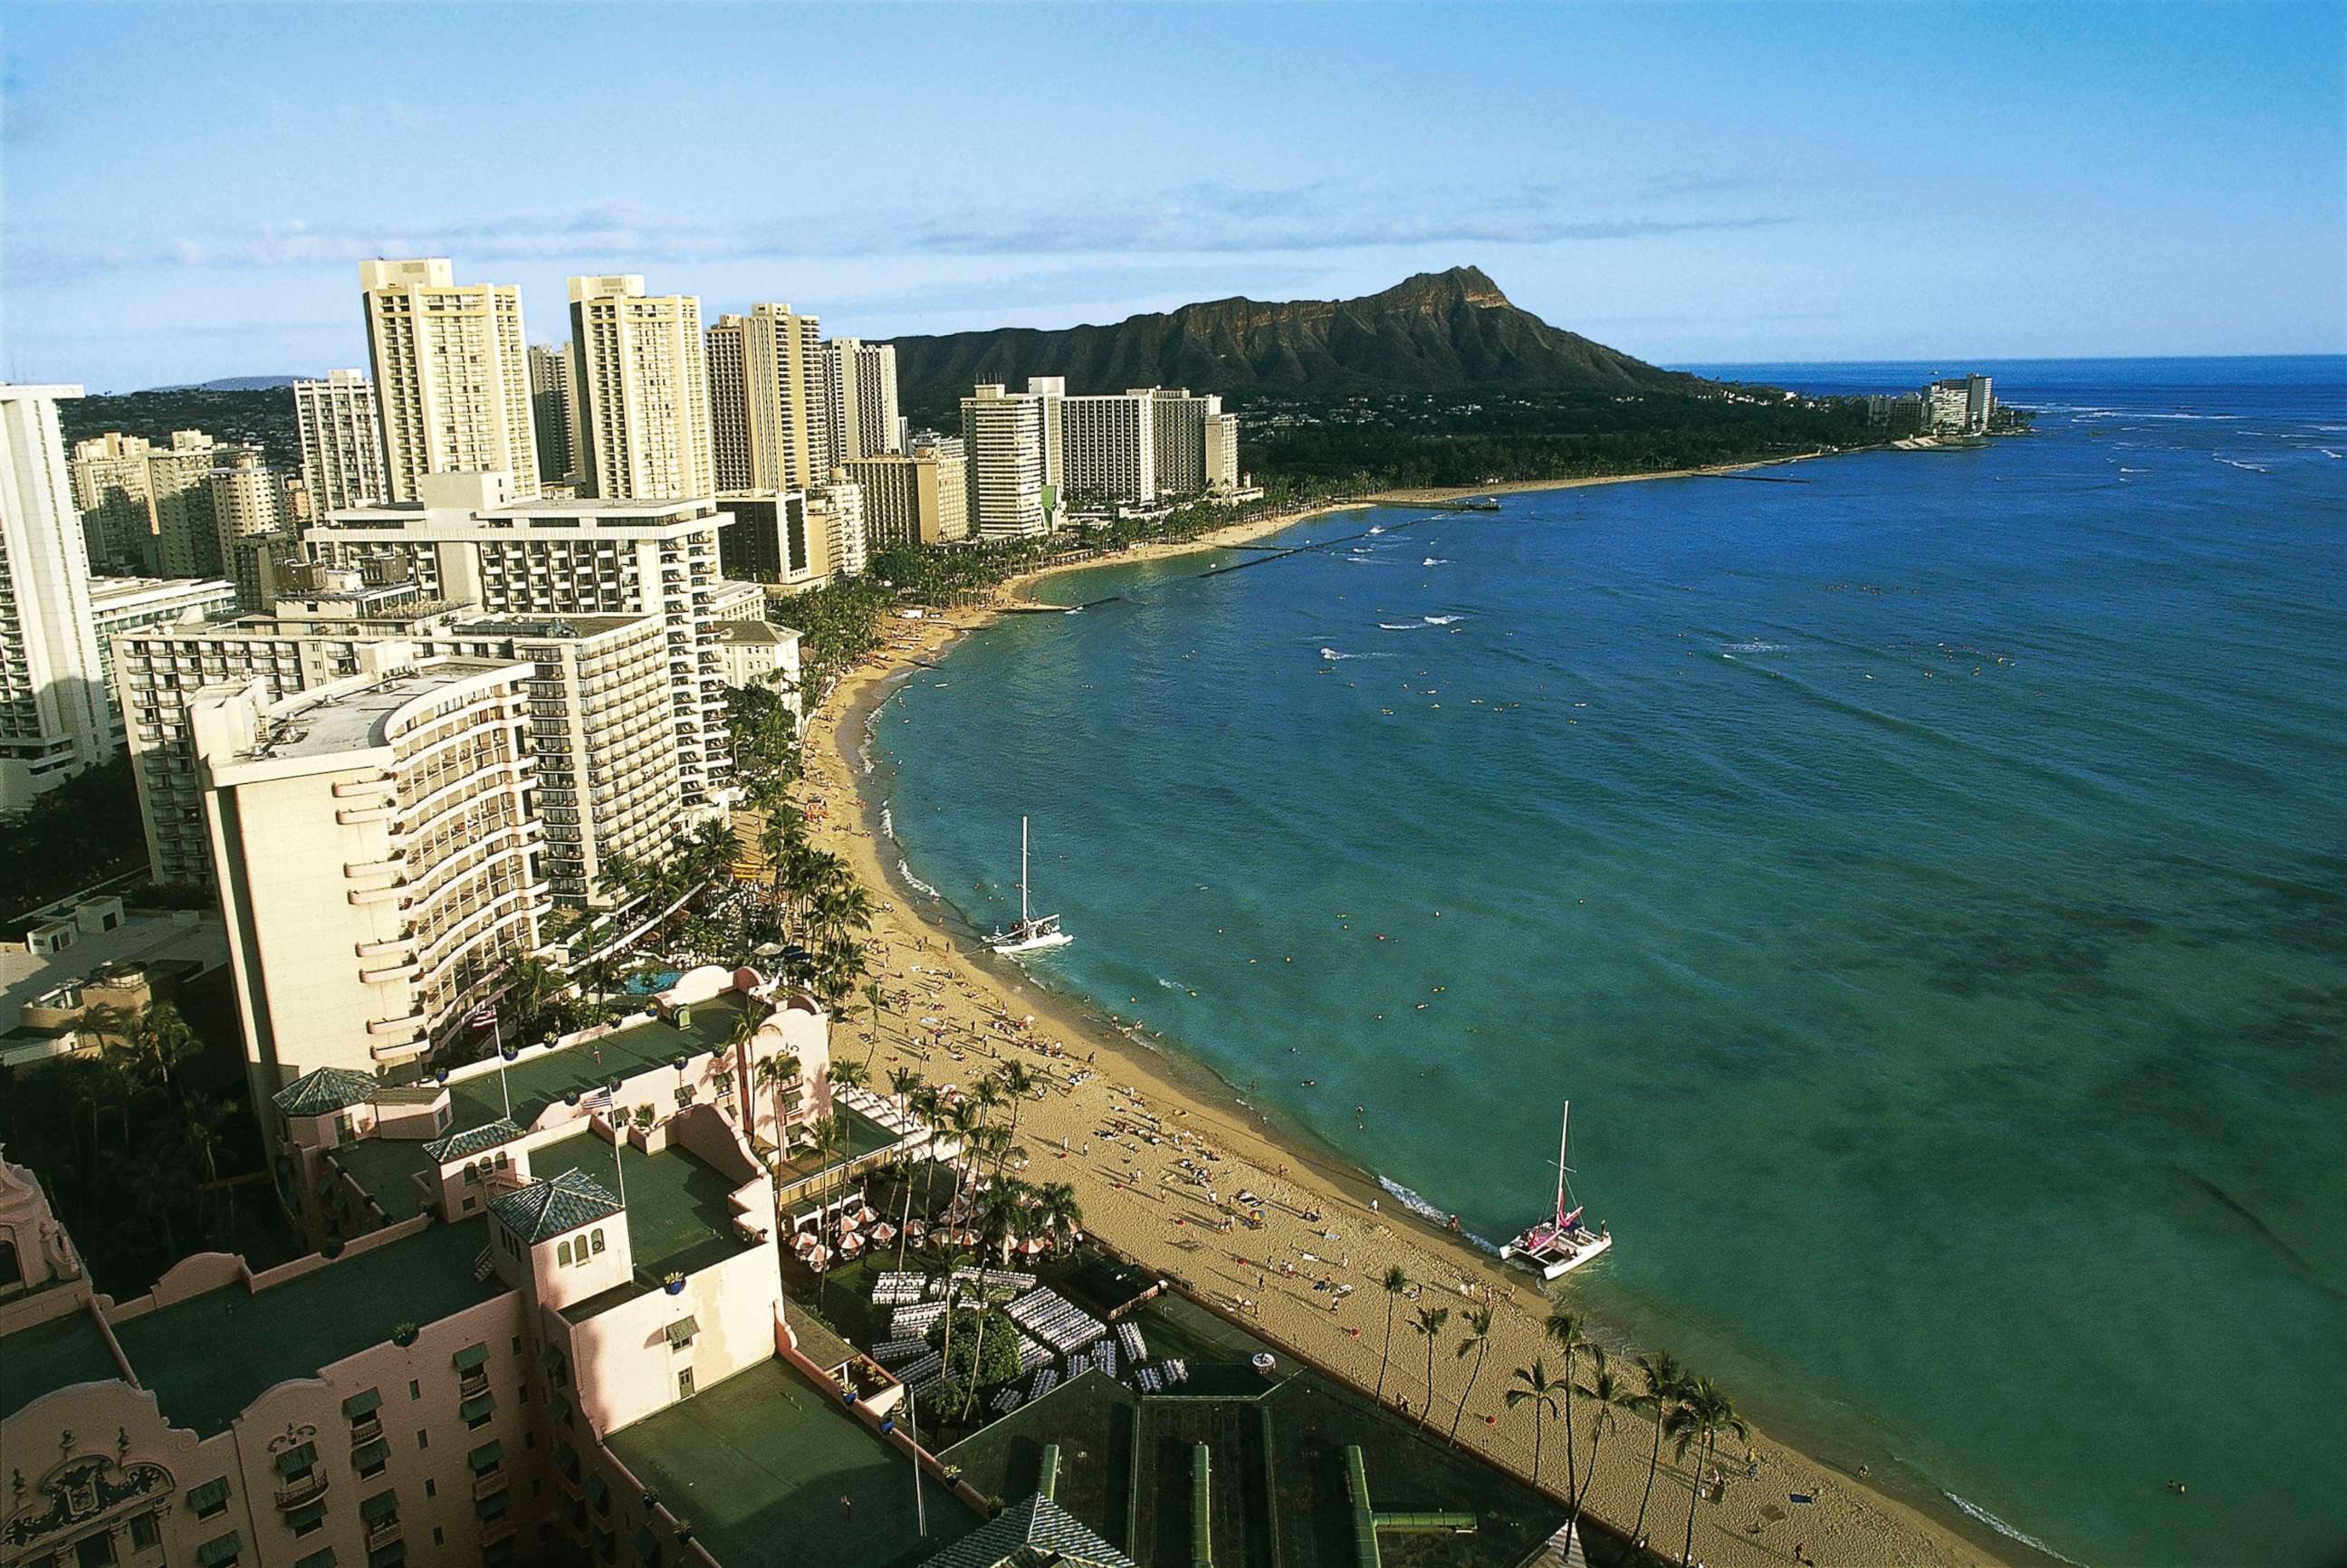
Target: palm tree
(1565, 1332)
(1395, 1281)
(1609, 1393)
(1537, 1389)
(902, 1082)
(1016, 1083)
(1658, 1399)
(1704, 1412)
(1063, 1215)
(874, 999)
(1429, 1323)
(160, 1040)
(1478, 1340)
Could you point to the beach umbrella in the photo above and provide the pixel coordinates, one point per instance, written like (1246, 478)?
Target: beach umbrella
(865, 1216)
(819, 1257)
(883, 1233)
(803, 1242)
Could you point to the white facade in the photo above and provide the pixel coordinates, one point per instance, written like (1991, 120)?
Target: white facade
(643, 391)
(835, 510)
(128, 604)
(1003, 435)
(341, 440)
(469, 542)
(53, 719)
(109, 481)
(377, 857)
(917, 497)
(451, 376)
(1222, 456)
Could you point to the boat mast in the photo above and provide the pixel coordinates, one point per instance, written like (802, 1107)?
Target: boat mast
(1564, 1137)
(1022, 871)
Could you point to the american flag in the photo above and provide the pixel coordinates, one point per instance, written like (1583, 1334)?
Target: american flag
(596, 1099)
(484, 1015)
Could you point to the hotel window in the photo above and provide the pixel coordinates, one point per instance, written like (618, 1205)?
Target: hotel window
(562, 1254)
(597, 1237)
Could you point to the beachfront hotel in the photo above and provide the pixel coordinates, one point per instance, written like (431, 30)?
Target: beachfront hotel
(451, 376)
(53, 713)
(641, 391)
(1108, 444)
(378, 858)
(916, 497)
(341, 435)
(548, 1307)
(1002, 434)
(467, 538)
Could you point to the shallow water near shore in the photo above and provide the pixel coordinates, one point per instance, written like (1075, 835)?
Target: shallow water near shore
(1927, 879)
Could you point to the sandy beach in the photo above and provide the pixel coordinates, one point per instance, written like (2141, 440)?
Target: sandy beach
(965, 1009)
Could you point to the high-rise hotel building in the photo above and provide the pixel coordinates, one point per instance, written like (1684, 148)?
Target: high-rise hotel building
(1108, 447)
(1006, 439)
(643, 391)
(451, 376)
(54, 719)
(553, 409)
(861, 387)
(377, 856)
(468, 540)
(769, 397)
(341, 440)
(917, 497)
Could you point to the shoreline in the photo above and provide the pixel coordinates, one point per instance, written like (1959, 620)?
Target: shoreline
(1131, 1206)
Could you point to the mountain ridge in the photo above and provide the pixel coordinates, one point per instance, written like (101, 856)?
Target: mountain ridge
(1431, 332)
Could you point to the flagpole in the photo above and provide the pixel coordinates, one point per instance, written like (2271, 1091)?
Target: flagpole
(618, 1168)
(497, 1038)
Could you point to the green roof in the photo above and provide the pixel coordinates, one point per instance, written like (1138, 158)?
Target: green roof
(543, 1079)
(52, 1355)
(323, 1091)
(385, 1169)
(1032, 1534)
(766, 1445)
(472, 1141)
(544, 1210)
(680, 1214)
(300, 1328)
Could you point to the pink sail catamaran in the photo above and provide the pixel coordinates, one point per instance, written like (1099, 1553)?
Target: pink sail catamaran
(1557, 1246)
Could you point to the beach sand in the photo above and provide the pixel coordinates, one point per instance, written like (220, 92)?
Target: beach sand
(966, 1010)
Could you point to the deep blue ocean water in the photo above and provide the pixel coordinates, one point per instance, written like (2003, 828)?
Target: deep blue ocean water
(1927, 879)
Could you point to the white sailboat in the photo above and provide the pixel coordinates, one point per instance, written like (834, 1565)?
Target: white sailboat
(1556, 1247)
(1034, 932)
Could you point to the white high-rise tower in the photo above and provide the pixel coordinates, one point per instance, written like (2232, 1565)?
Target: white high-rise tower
(54, 719)
(451, 376)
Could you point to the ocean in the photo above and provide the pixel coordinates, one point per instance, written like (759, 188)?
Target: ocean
(1925, 873)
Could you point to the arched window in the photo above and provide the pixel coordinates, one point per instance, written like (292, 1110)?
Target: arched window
(562, 1254)
(12, 1268)
(597, 1238)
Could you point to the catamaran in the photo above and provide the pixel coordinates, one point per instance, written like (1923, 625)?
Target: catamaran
(1034, 932)
(1557, 1246)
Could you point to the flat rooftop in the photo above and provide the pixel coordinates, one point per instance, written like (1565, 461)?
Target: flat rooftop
(541, 1081)
(140, 939)
(383, 1168)
(210, 1356)
(864, 1136)
(759, 1465)
(52, 1355)
(351, 720)
(546, 626)
(679, 1217)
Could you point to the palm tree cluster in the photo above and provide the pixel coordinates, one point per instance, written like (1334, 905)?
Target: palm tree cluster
(132, 1153)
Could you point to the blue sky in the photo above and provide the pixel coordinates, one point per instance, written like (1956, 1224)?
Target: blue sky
(186, 191)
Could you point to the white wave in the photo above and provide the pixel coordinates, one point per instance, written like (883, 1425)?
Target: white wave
(912, 881)
(1331, 655)
(1440, 620)
(1175, 986)
(1754, 647)
(1420, 1207)
(887, 820)
(2231, 463)
(2327, 452)
(2134, 470)
(1974, 1511)
(1433, 561)
(1405, 625)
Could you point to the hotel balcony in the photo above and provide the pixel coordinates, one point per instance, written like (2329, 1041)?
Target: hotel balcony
(396, 1025)
(379, 1537)
(302, 1488)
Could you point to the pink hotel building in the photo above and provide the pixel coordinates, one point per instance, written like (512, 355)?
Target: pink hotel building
(515, 1267)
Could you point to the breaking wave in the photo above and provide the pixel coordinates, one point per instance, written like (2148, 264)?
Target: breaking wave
(1974, 1511)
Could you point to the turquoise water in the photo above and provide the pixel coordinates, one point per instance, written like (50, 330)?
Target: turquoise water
(1928, 880)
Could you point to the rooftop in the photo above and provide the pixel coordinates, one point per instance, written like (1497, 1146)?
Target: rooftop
(348, 721)
(52, 1355)
(210, 1356)
(554, 1205)
(758, 1465)
(140, 939)
(540, 1081)
(385, 1169)
(680, 1214)
(546, 626)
